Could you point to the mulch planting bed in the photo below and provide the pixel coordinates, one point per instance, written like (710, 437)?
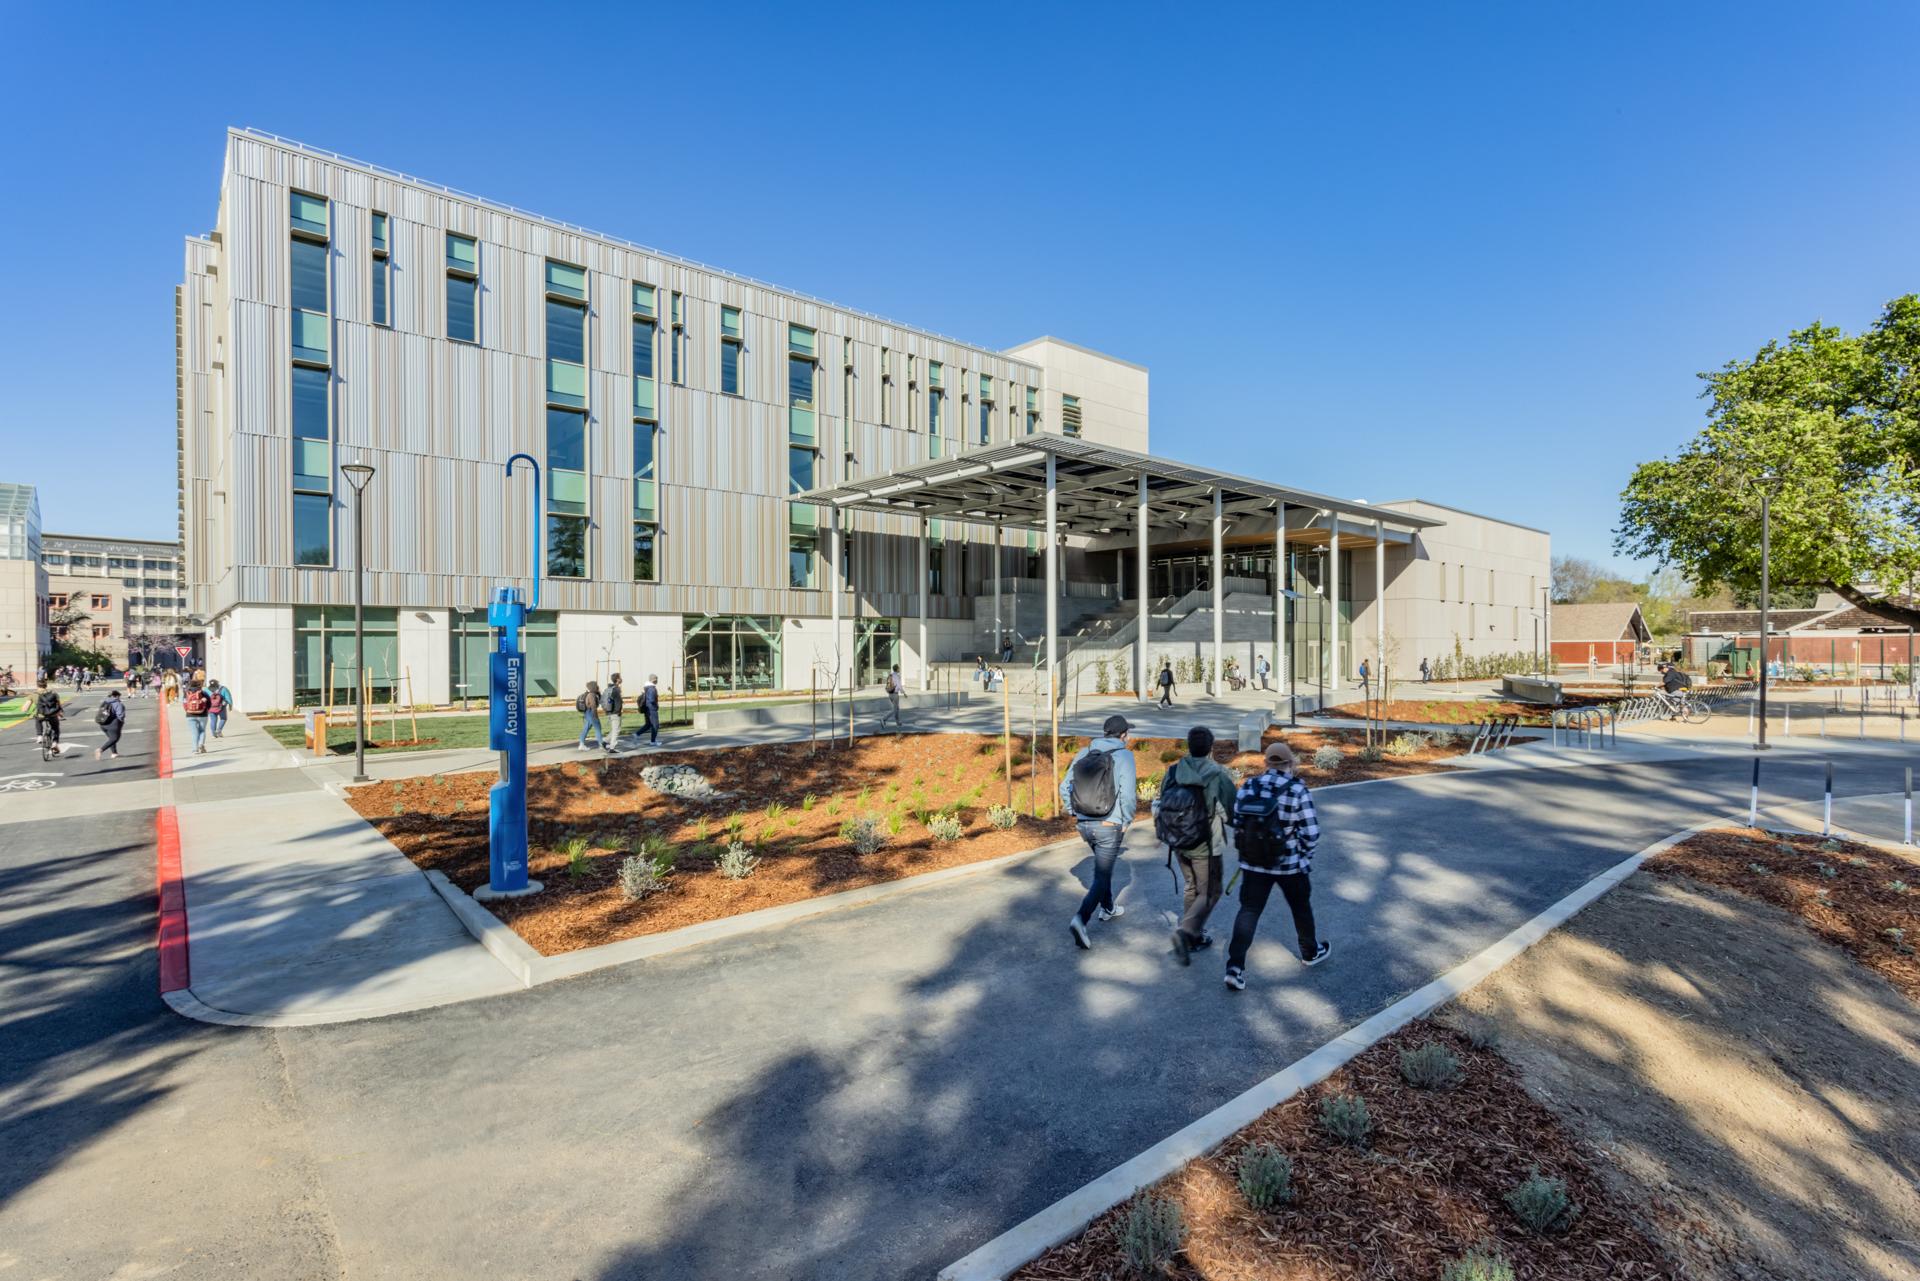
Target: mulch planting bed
(1857, 897)
(1429, 1184)
(785, 801)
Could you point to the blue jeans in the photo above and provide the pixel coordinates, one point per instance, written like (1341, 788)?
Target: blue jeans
(591, 721)
(198, 724)
(217, 722)
(1104, 840)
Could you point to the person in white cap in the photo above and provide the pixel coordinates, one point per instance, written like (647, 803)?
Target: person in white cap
(1275, 831)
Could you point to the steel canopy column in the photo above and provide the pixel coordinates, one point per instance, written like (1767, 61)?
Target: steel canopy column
(1144, 621)
(1219, 597)
(1053, 571)
(1280, 586)
(925, 663)
(1380, 605)
(998, 559)
(833, 586)
(1333, 600)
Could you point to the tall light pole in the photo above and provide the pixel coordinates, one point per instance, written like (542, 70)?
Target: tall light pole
(1769, 481)
(358, 474)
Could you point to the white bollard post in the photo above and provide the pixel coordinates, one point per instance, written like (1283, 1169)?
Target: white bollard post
(1753, 797)
(1786, 720)
(1826, 813)
(1906, 827)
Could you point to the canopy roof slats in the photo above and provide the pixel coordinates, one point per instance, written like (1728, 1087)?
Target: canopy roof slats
(1096, 490)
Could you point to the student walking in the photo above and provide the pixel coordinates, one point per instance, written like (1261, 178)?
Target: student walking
(980, 672)
(1263, 669)
(613, 702)
(219, 703)
(1194, 789)
(1275, 832)
(195, 703)
(1426, 671)
(1100, 791)
(1166, 684)
(893, 697)
(1366, 690)
(112, 719)
(588, 705)
(650, 710)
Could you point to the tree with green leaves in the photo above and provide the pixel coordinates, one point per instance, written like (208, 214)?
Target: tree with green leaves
(1836, 420)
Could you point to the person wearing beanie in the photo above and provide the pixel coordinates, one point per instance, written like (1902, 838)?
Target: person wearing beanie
(1099, 789)
(1275, 832)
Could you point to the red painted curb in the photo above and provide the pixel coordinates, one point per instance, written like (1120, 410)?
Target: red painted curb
(174, 972)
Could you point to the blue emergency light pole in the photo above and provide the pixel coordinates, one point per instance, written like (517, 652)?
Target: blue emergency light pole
(507, 727)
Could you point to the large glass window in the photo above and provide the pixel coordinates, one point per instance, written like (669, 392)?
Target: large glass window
(803, 521)
(471, 641)
(310, 382)
(986, 409)
(645, 325)
(566, 335)
(308, 214)
(312, 437)
(646, 439)
(566, 493)
(325, 667)
(1070, 415)
(1033, 410)
(732, 350)
(731, 652)
(936, 557)
(381, 279)
(309, 282)
(886, 387)
(679, 341)
(936, 397)
(463, 288)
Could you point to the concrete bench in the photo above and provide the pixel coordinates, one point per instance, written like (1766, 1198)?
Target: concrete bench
(1531, 689)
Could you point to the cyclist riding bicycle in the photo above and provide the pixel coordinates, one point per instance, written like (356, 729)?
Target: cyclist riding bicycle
(47, 710)
(1674, 685)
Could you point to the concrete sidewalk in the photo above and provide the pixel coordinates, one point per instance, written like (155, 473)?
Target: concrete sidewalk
(298, 911)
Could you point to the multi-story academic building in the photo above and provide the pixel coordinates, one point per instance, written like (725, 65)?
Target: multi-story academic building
(741, 486)
(125, 587)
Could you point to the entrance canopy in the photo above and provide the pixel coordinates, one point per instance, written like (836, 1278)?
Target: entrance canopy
(1097, 490)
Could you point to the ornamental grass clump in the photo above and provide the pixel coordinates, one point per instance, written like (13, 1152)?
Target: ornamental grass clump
(641, 877)
(1266, 1176)
(1542, 1204)
(1482, 1263)
(1002, 817)
(1328, 757)
(1346, 1118)
(1430, 1066)
(737, 861)
(865, 834)
(1151, 1233)
(576, 851)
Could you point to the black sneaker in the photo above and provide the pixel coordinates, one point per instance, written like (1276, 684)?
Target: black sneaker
(1182, 948)
(1236, 978)
(1078, 928)
(1319, 954)
(1206, 941)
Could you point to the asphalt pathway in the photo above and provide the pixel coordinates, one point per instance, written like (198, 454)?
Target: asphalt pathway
(868, 1094)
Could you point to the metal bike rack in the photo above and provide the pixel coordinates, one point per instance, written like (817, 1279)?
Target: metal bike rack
(1590, 724)
(1493, 733)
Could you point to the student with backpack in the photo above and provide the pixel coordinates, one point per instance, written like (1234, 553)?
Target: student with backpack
(1100, 791)
(650, 710)
(1195, 786)
(111, 717)
(613, 702)
(196, 703)
(47, 711)
(1166, 684)
(1275, 830)
(588, 705)
(893, 697)
(219, 703)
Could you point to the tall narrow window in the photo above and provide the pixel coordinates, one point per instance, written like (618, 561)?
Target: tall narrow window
(310, 407)
(1070, 415)
(731, 348)
(1033, 410)
(381, 281)
(936, 397)
(463, 288)
(677, 341)
(913, 397)
(846, 400)
(646, 435)
(568, 507)
(803, 520)
(886, 387)
(936, 556)
(986, 409)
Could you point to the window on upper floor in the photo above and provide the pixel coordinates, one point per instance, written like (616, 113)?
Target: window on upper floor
(463, 288)
(566, 315)
(1070, 415)
(380, 269)
(732, 350)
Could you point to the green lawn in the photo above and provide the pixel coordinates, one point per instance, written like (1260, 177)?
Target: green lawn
(554, 726)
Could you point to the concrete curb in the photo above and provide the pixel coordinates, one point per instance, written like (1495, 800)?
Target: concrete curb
(493, 933)
(1067, 1216)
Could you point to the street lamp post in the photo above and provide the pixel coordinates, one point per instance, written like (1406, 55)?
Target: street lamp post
(358, 474)
(1768, 482)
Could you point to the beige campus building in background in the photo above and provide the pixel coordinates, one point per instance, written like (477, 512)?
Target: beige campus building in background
(338, 312)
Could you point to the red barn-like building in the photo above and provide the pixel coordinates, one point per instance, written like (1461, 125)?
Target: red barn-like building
(1611, 633)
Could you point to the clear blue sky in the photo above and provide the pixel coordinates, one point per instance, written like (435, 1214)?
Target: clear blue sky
(1470, 253)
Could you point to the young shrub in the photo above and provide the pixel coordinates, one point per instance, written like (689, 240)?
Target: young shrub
(1542, 1204)
(737, 861)
(700, 832)
(735, 824)
(459, 807)
(1002, 816)
(640, 877)
(866, 835)
(1172, 754)
(894, 824)
(1760, 869)
(1266, 1176)
(1148, 788)
(399, 810)
(576, 851)
(1481, 1034)
(1346, 1118)
(1406, 744)
(945, 827)
(1482, 1263)
(657, 849)
(1828, 872)
(1370, 753)
(1151, 1234)
(399, 789)
(1328, 757)
(1898, 887)
(1430, 1066)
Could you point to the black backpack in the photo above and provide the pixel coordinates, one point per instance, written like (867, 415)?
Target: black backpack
(105, 715)
(49, 704)
(1257, 828)
(583, 704)
(1181, 820)
(1092, 789)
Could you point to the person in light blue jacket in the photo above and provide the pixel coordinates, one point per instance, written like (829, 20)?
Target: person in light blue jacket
(1102, 795)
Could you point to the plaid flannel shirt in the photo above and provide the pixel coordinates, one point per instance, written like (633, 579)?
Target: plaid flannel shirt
(1296, 818)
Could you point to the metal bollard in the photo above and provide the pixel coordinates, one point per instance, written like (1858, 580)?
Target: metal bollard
(1753, 796)
(1826, 813)
(1906, 827)
(1786, 720)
